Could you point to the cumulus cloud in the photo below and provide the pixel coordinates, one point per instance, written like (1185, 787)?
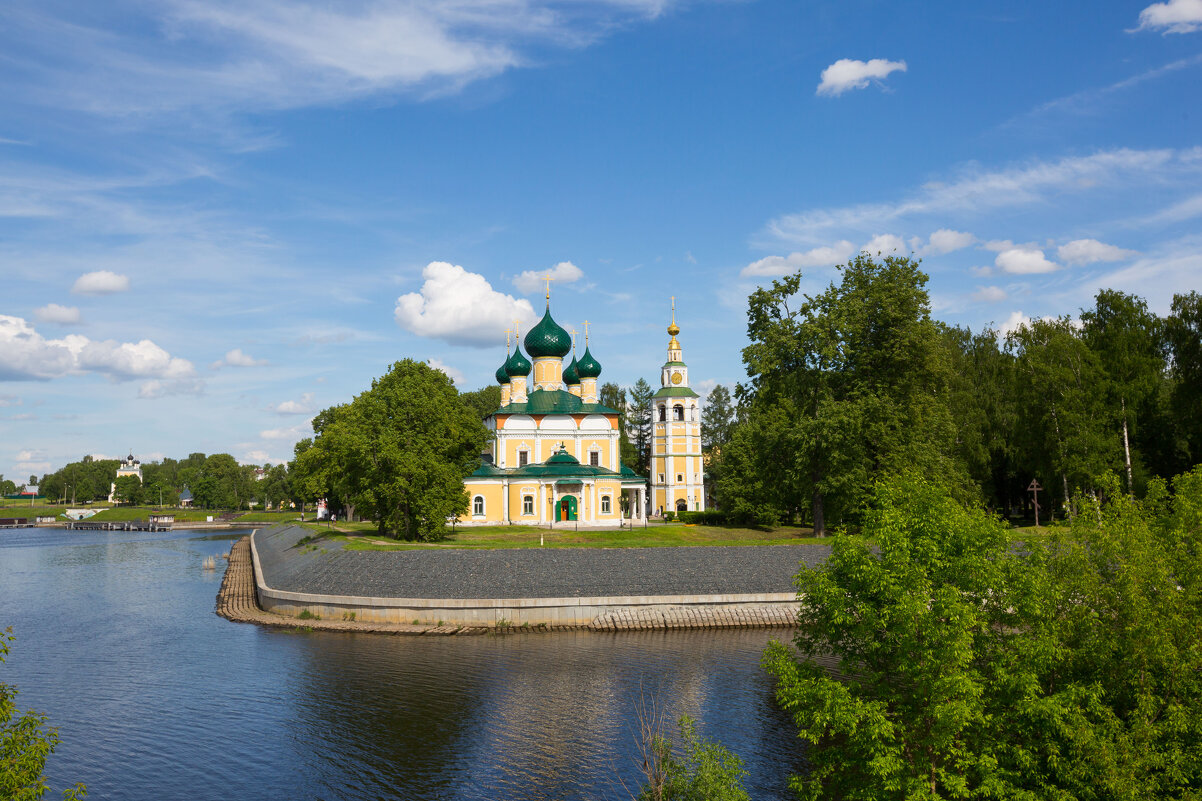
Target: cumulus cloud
(846, 74)
(1088, 251)
(293, 433)
(27, 355)
(1015, 321)
(100, 282)
(1024, 261)
(825, 256)
(532, 280)
(303, 406)
(884, 244)
(460, 307)
(54, 313)
(1175, 16)
(451, 372)
(236, 358)
(946, 240)
(990, 294)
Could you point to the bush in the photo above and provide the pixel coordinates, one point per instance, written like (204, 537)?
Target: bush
(669, 517)
(710, 517)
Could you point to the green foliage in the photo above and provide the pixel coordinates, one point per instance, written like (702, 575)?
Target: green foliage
(1064, 668)
(640, 421)
(399, 451)
(846, 386)
(1183, 335)
(484, 401)
(717, 419)
(128, 490)
(614, 397)
(25, 743)
(707, 772)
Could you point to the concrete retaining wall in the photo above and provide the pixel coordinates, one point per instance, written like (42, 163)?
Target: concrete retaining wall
(619, 612)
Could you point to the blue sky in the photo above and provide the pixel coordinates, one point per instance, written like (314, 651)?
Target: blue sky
(218, 217)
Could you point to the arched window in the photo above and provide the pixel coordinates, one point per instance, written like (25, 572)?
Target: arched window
(682, 505)
(678, 412)
(528, 505)
(604, 504)
(478, 505)
(663, 413)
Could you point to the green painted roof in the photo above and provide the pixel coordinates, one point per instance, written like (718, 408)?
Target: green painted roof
(518, 364)
(548, 339)
(569, 373)
(488, 470)
(554, 401)
(588, 367)
(562, 466)
(675, 392)
(675, 364)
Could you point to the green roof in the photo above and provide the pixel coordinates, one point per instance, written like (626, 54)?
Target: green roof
(488, 470)
(554, 401)
(675, 392)
(675, 364)
(588, 367)
(518, 364)
(569, 373)
(547, 338)
(562, 466)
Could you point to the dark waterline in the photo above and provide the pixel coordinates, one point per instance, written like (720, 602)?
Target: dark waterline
(158, 698)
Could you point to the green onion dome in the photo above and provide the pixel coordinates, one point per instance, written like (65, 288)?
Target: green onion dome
(502, 376)
(518, 364)
(569, 373)
(548, 339)
(588, 367)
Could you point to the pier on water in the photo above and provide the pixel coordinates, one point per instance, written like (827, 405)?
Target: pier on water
(118, 525)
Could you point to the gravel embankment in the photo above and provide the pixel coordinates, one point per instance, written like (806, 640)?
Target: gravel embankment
(527, 573)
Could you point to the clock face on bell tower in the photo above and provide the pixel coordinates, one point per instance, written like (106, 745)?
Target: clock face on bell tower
(676, 378)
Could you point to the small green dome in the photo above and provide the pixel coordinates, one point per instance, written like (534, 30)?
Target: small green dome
(569, 373)
(502, 376)
(548, 339)
(588, 367)
(518, 364)
(563, 457)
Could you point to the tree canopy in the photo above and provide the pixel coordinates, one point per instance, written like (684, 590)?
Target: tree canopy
(398, 452)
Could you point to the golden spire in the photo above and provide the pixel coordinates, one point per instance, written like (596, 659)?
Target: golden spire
(673, 329)
(547, 277)
(586, 333)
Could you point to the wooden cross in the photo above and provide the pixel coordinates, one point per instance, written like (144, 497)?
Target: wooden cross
(1034, 489)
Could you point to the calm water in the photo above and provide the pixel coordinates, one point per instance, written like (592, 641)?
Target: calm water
(158, 698)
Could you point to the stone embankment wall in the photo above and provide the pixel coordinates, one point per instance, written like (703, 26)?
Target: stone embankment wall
(414, 591)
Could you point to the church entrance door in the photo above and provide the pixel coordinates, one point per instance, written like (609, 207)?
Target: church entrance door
(567, 508)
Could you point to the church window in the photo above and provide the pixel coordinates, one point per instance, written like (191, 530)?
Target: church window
(663, 413)
(661, 478)
(680, 478)
(528, 505)
(678, 412)
(523, 458)
(478, 505)
(594, 459)
(604, 504)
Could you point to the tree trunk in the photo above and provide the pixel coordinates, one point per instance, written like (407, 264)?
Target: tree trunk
(1127, 450)
(1067, 501)
(819, 514)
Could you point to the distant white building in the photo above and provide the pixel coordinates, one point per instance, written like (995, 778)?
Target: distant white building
(129, 467)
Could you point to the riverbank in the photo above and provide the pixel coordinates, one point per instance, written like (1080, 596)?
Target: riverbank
(284, 579)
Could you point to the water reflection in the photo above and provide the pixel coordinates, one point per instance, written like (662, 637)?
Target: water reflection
(158, 698)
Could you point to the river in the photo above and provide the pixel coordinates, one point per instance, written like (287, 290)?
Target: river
(156, 697)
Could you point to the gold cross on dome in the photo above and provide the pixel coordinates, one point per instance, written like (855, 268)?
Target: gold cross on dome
(548, 279)
(573, 332)
(586, 333)
(508, 331)
(673, 309)
(517, 330)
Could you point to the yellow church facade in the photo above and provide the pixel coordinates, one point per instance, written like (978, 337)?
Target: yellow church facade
(555, 455)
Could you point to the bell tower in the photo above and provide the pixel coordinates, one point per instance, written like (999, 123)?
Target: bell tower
(677, 473)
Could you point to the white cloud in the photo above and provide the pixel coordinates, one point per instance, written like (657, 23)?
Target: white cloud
(825, 256)
(236, 358)
(303, 406)
(1088, 251)
(156, 388)
(54, 313)
(974, 190)
(946, 240)
(100, 282)
(884, 244)
(1015, 321)
(451, 372)
(292, 433)
(990, 294)
(846, 74)
(1175, 16)
(1024, 261)
(10, 400)
(460, 307)
(27, 355)
(532, 280)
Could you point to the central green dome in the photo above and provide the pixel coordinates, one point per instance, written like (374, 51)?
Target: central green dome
(548, 339)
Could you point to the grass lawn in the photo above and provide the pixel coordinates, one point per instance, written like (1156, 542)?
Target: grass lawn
(363, 537)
